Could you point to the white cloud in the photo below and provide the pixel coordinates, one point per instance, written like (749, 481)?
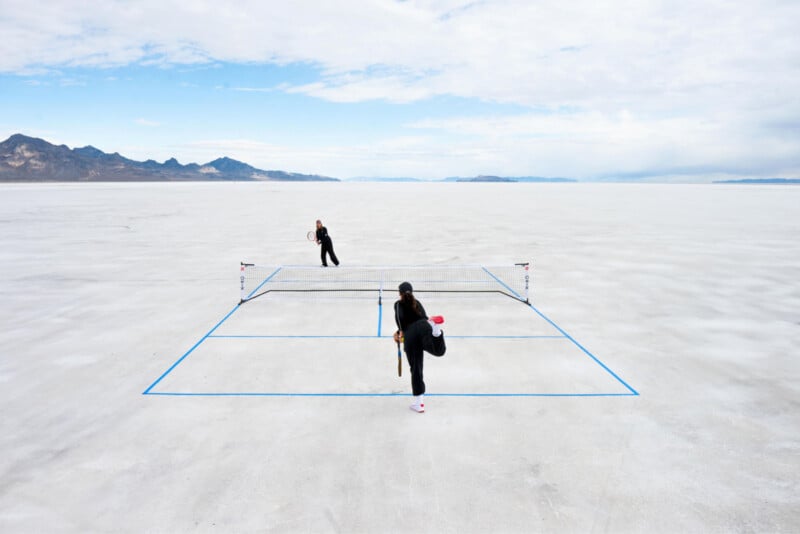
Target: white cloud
(563, 144)
(687, 82)
(582, 145)
(516, 51)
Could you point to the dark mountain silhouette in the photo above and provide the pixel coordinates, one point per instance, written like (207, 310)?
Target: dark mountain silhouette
(773, 181)
(28, 159)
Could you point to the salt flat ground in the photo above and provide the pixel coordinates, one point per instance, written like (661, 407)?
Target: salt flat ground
(687, 293)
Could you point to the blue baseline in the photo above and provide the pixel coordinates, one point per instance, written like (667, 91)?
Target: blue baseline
(279, 336)
(633, 392)
(260, 394)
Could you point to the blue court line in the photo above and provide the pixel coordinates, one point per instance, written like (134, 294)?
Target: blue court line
(592, 356)
(259, 394)
(234, 336)
(380, 316)
(208, 334)
(633, 392)
(496, 279)
(543, 316)
(174, 365)
(224, 336)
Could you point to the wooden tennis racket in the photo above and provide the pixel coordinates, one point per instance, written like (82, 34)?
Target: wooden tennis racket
(399, 361)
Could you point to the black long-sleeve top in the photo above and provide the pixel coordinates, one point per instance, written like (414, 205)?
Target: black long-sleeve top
(322, 235)
(405, 315)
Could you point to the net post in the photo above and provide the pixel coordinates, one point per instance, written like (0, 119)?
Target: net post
(526, 266)
(242, 265)
(527, 283)
(380, 292)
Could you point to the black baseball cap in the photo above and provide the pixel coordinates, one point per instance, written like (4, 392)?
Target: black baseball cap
(405, 287)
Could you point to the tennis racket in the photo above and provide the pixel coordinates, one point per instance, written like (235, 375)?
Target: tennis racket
(399, 361)
(312, 235)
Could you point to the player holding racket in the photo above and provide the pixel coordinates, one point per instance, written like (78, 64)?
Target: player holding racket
(324, 240)
(419, 334)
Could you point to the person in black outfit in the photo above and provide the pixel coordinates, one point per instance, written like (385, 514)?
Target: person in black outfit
(327, 245)
(418, 333)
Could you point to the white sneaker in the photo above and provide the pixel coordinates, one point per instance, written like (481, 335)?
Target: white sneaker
(419, 404)
(419, 408)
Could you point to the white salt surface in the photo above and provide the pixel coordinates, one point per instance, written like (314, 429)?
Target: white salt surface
(688, 293)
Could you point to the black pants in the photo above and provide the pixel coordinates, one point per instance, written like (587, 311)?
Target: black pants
(418, 338)
(327, 248)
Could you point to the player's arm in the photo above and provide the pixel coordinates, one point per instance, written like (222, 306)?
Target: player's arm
(398, 311)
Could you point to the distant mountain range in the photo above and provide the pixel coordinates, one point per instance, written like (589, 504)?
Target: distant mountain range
(760, 181)
(28, 159)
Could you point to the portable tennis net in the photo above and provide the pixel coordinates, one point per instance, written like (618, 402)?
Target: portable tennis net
(512, 280)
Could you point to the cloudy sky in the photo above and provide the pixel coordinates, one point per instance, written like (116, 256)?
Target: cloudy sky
(635, 90)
